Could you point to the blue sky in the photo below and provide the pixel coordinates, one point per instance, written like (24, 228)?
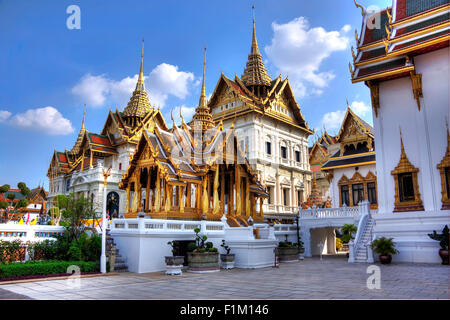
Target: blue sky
(49, 72)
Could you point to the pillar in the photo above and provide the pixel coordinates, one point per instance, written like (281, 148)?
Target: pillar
(147, 191)
(180, 199)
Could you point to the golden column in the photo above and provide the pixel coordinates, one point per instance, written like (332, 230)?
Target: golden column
(205, 200)
(158, 192)
(216, 205)
(237, 185)
(180, 199)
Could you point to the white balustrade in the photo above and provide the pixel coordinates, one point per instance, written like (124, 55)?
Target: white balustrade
(32, 233)
(161, 226)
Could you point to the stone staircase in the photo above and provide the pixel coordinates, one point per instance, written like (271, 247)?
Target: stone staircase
(361, 252)
(120, 264)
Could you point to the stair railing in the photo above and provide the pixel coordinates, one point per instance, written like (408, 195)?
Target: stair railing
(364, 211)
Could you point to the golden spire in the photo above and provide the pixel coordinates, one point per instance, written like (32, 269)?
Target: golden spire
(202, 102)
(84, 113)
(139, 105)
(202, 117)
(255, 72)
(255, 49)
(140, 84)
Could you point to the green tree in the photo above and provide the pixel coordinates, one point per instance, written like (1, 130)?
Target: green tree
(23, 189)
(76, 210)
(22, 203)
(61, 201)
(11, 197)
(4, 188)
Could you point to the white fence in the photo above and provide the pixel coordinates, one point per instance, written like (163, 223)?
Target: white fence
(33, 233)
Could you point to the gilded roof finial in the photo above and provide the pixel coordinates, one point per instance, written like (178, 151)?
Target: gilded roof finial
(401, 142)
(255, 48)
(203, 102)
(181, 115)
(363, 10)
(356, 38)
(140, 83)
(173, 121)
(84, 113)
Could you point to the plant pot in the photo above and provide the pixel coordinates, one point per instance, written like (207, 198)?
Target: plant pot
(444, 256)
(287, 254)
(201, 262)
(227, 261)
(174, 264)
(301, 252)
(385, 259)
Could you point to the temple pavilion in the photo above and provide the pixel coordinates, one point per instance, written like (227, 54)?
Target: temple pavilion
(195, 171)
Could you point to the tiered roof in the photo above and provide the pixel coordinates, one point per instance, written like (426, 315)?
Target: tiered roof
(356, 139)
(408, 28)
(255, 72)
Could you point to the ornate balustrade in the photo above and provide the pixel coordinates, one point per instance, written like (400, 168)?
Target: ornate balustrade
(324, 213)
(165, 226)
(33, 233)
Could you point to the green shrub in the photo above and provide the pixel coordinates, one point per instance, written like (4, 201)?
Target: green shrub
(212, 249)
(285, 244)
(44, 268)
(191, 246)
(384, 246)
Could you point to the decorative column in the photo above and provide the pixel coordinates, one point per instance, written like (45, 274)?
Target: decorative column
(168, 195)
(237, 184)
(247, 198)
(180, 199)
(158, 193)
(222, 191)
(216, 206)
(106, 174)
(261, 213)
(230, 196)
(147, 191)
(139, 191)
(188, 195)
(205, 196)
(127, 208)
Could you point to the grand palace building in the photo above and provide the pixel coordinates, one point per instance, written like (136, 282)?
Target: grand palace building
(257, 115)
(271, 130)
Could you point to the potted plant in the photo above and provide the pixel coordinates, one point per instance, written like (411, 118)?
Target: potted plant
(301, 250)
(174, 263)
(385, 247)
(202, 256)
(443, 239)
(339, 244)
(227, 259)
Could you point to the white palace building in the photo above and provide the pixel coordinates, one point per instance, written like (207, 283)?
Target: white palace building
(403, 58)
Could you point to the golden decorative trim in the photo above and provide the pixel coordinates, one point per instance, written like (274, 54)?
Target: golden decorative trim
(405, 166)
(375, 96)
(416, 81)
(384, 74)
(445, 164)
(424, 15)
(349, 165)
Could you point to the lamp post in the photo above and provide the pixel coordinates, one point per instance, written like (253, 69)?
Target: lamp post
(106, 174)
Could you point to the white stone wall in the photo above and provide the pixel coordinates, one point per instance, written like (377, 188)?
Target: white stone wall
(424, 131)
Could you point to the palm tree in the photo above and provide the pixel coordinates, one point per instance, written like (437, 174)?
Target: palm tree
(348, 231)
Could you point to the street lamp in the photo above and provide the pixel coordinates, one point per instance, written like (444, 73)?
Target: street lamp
(106, 174)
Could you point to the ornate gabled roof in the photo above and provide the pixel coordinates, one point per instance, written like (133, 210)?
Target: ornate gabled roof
(413, 27)
(255, 72)
(364, 127)
(139, 104)
(76, 148)
(202, 119)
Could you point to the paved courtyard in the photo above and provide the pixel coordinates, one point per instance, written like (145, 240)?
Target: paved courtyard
(331, 278)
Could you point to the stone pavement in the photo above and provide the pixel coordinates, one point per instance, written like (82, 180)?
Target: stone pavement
(331, 278)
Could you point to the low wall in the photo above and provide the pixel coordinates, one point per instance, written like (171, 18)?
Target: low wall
(31, 233)
(410, 232)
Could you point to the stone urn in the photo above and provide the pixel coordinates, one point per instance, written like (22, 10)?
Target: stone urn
(227, 261)
(203, 262)
(174, 264)
(287, 254)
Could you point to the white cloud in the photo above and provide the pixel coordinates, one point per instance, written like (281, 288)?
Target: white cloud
(346, 28)
(92, 89)
(360, 108)
(47, 120)
(4, 115)
(332, 121)
(164, 80)
(299, 50)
